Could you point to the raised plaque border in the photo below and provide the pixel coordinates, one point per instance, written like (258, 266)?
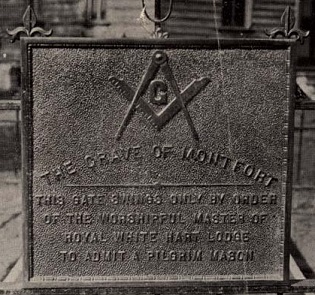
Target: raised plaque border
(28, 44)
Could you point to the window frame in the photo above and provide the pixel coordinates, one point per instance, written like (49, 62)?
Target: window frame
(247, 22)
(96, 12)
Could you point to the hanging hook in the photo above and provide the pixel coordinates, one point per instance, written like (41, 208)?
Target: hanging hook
(158, 21)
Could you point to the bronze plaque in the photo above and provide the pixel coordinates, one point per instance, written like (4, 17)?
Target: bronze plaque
(153, 161)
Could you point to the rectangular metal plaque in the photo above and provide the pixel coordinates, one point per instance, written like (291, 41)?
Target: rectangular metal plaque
(157, 161)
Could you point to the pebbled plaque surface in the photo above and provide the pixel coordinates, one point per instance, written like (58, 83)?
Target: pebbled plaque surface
(150, 161)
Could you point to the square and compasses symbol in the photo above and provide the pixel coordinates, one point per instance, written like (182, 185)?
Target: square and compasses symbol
(158, 95)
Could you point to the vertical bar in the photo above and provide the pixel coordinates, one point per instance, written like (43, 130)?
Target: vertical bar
(157, 12)
(287, 166)
(98, 10)
(30, 3)
(312, 29)
(17, 141)
(233, 13)
(248, 13)
(89, 6)
(158, 9)
(300, 145)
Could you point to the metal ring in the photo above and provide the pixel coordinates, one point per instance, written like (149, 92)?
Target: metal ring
(158, 21)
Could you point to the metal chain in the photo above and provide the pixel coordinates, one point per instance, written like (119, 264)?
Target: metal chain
(158, 21)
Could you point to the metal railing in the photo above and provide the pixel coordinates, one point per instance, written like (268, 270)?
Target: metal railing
(304, 109)
(10, 143)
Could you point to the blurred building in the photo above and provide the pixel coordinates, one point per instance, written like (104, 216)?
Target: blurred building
(67, 18)
(121, 19)
(245, 19)
(225, 18)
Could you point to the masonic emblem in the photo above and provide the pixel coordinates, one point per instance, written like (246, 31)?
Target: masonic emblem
(158, 95)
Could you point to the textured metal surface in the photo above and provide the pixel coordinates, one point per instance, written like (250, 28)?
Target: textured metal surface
(157, 204)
